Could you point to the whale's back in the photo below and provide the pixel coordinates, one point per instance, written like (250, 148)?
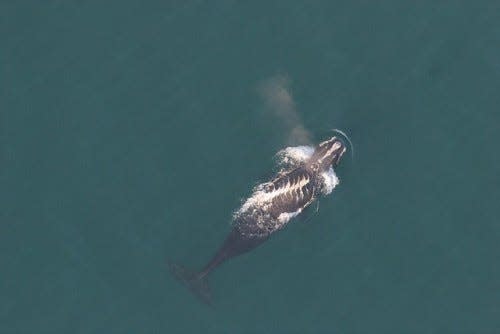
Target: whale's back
(291, 192)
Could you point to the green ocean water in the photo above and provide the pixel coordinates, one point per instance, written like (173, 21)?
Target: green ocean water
(130, 131)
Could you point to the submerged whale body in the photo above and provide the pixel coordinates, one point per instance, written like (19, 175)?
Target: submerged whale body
(271, 206)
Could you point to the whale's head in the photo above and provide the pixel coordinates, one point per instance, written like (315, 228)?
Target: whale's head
(327, 154)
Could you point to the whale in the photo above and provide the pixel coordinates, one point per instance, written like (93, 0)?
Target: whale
(272, 205)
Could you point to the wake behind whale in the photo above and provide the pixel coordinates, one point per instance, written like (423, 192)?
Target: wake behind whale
(305, 173)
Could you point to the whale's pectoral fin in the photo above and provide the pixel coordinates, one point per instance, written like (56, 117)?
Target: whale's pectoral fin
(309, 212)
(198, 285)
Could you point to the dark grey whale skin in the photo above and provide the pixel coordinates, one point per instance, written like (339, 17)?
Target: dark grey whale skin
(296, 189)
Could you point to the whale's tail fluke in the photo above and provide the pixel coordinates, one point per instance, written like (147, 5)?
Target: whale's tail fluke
(196, 283)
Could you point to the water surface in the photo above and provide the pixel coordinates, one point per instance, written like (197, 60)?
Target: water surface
(130, 132)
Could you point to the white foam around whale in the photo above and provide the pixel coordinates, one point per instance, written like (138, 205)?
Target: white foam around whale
(330, 181)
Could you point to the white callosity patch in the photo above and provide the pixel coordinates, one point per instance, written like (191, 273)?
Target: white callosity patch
(328, 153)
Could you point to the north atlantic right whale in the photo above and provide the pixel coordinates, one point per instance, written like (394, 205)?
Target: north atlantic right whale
(271, 207)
